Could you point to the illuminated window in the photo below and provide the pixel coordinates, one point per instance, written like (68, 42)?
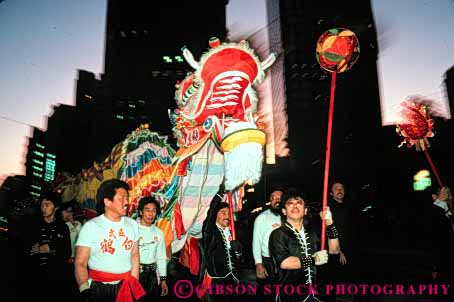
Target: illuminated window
(37, 162)
(50, 155)
(37, 174)
(37, 168)
(178, 59)
(167, 59)
(120, 117)
(421, 180)
(38, 153)
(39, 146)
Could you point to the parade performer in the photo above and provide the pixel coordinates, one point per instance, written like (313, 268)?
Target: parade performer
(221, 253)
(264, 224)
(107, 255)
(152, 249)
(293, 248)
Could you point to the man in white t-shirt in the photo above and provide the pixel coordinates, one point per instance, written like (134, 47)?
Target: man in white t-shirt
(67, 214)
(107, 250)
(152, 250)
(264, 224)
(74, 226)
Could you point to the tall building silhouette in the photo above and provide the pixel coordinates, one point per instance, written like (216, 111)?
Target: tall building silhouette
(143, 62)
(357, 122)
(449, 85)
(40, 163)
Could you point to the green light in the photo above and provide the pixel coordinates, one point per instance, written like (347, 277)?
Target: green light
(50, 164)
(38, 153)
(179, 59)
(167, 59)
(421, 180)
(36, 187)
(50, 155)
(120, 117)
(39, 146)
(37, 168)
(34, 194)
(37, 174)
(37, 162)
(422, 184)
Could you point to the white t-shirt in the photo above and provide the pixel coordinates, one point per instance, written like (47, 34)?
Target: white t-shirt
(152, 247)
(110, 243)
(264, 224)
(74, 230)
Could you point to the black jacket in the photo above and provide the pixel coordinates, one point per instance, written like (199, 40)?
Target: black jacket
(217, 255)
(56, 235)
(283, 243)
(344, 217)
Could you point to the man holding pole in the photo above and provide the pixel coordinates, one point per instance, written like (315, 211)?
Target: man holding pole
(293, 247)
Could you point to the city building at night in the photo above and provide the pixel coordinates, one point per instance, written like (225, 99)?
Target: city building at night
(40, 164)
(307, 87)
(142, 64)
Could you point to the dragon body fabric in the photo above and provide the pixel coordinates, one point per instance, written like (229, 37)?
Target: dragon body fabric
(220, 140)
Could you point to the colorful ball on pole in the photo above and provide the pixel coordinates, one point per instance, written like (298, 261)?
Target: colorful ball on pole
(337, 50)
(416, 125)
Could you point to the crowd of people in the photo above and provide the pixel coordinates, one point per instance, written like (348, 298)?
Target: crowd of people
(113, 257)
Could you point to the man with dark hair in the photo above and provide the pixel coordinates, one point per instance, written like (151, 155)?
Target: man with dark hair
(293, 247)
(264, 224)
(107, 250)
(108, 189)
(152, 250)
(344, 214)
(221, 252)
(66, 214)
(51, 246)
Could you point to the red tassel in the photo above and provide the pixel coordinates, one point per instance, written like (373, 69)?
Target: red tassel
(179, 227)
(183, 167)
(194, 256)
(202, 289)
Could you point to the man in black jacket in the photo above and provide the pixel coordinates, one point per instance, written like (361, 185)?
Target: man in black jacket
(344, 214)
(293, 248)
(221, 252)
(50, 249)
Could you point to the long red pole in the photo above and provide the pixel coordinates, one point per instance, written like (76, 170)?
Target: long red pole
(328, 155)
(432, 166)
(437, 176)
(232, 221)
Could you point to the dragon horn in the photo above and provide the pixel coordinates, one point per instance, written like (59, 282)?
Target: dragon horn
(268, 61)
(190, 58)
